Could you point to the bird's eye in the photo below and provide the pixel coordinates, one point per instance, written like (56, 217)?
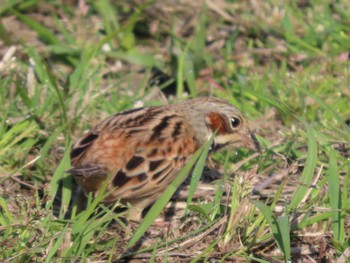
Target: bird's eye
(235, 122)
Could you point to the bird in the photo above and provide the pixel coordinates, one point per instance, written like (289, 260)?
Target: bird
(140, 151)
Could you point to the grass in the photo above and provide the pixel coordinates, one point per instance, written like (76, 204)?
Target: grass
(65, 67)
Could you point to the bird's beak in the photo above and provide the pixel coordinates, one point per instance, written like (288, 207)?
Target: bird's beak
(252, 143)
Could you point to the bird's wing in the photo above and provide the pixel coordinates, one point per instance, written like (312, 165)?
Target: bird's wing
(142, 150)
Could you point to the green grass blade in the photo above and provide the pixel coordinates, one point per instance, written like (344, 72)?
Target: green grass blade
(180, 71)
(259, 260)
(284, 230)
(154, 253)
(199, 42)
(315, 219)
(109, 15)
(279, 228)
(190, 75)
(135, 57)
(77, 79)
(46, 35)
(335, 198)
(220, 190)
(48, 144)
(57, 245)
(200, 209)
(345, 198)
(197, 171)
(67, 184)
(308, 172)
(328, 108)
(17, 133)
(234, 206)
(7, 5)
(57, 177)
(209, 248)
(6, 217)
(45, 76)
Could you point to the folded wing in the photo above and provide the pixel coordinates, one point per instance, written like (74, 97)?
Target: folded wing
(142, 150)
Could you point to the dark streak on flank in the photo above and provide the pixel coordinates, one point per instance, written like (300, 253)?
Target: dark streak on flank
(154, 165)
(177, 130)
(134, 162)
(77, 151)
(128, 111)
(156, 175)
(89, 138)
(141, 119)
(166, 150)
(134, 131)
(120, 179)
(180, 158)
(153, 152)
(164, 176)
(134, 189)
(141, 177)
(161, 126)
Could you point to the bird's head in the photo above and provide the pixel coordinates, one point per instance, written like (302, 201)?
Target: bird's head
(230, 127)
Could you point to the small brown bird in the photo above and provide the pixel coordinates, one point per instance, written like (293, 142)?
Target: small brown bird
(144, 149)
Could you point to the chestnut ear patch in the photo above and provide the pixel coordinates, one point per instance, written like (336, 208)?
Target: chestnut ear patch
(217, 123)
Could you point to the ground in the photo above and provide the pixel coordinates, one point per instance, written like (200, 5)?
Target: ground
(66, 65)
